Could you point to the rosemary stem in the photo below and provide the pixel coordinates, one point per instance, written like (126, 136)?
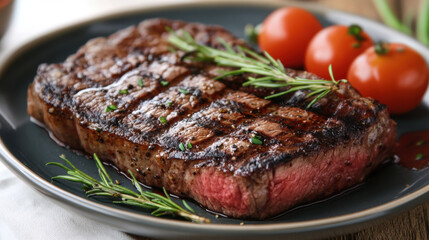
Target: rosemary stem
(193, 217)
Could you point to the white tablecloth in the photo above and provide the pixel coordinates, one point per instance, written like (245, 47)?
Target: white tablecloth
(28, 215)
(24, 213)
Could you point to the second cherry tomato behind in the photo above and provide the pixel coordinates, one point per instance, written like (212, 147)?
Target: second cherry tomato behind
(337, 45)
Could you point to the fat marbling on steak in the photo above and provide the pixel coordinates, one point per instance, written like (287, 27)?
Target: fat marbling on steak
(193, 136)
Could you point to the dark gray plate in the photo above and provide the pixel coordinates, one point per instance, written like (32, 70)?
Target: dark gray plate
(26, 148)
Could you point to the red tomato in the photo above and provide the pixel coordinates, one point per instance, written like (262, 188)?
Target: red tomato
(337, 45)
(286, 33)
(395, 75)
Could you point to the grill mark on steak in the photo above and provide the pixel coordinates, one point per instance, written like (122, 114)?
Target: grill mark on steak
(190, 95)
(276, 127)
(140, 84)
(306, 153)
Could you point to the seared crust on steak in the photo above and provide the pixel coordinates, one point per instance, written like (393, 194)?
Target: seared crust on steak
(306, 154)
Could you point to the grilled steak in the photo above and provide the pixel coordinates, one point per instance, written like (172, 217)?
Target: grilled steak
(141, 107)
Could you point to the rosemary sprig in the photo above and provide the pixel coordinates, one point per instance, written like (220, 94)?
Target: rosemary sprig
(272, 72)
(160, 205)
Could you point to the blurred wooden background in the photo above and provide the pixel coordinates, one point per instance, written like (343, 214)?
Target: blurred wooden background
(403, 8)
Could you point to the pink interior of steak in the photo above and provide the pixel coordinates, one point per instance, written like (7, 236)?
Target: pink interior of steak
(173, 126)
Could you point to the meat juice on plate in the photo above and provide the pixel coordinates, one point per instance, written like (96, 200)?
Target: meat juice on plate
(413, 149)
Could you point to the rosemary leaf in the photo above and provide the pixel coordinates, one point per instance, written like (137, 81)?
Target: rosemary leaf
(58, 165)
(272, 61)
(68, 178)
(187, 206)
(293, 89)
(123, 91)
(269, 84)
(419, 156)
(226, 45)
(182, 147)
(315, 92)
(135, 182)
(63, 157)
(101, 167)
(255, 55)
(256, 141)
(318, 97)
(103, 194)
(253, 80)
(228, 73)
(111, 108)
(103, 177)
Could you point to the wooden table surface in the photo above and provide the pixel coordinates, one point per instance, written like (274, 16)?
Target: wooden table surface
(412, 224)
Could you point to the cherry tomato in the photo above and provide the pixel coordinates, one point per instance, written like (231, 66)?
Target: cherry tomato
(286, 33)
(337, 45)
(393, 74)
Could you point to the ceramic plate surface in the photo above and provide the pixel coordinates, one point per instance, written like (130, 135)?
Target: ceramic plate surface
(26, 148)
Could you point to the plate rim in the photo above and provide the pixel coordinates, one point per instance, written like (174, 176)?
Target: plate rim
(47, 188)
